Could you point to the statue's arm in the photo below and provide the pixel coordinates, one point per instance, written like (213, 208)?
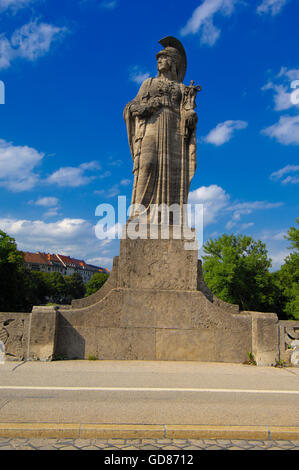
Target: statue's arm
(135, 114)
(188, 109)
(143, 105)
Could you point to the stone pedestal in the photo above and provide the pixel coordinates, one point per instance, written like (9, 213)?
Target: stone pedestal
(156, 306)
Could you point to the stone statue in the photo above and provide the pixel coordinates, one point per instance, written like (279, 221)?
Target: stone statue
(161, 126)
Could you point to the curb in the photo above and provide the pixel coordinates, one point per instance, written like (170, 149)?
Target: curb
(134, 431)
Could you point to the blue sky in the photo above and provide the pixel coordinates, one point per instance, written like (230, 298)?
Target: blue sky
(70, 66)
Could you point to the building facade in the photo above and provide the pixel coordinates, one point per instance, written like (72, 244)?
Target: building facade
(65, 265)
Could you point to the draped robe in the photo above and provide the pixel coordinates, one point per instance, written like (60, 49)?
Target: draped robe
(162, 146)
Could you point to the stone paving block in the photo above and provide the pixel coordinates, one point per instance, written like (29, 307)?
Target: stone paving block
(30, 448)
(67, 448)
(47, 447)
(116, 441)
(81, 443)
(274, 448)
(139, 444)
(131, 448)
(235, 448)
(243, 444)
(192, 447)
(215, 447)
(148, 447)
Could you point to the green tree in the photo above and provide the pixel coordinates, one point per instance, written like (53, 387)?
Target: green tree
(58, 288)
(75, 286)
(39, 288)
(12, 289)
(95, 283)
(293, 237)
(287, 278)
(236, 269)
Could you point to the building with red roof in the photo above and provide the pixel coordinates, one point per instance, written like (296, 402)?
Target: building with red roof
(46, 262)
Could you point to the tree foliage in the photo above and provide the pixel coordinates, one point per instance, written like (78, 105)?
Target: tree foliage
(12, 273)
(236, 269)
(287, 278)
(95, 283)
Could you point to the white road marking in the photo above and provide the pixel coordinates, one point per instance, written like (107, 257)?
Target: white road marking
(147, 389)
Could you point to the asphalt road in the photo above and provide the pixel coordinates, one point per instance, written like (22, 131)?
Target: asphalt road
(136, 392)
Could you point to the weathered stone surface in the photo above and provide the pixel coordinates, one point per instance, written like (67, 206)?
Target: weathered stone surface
(101, 293)
(14, 328)
(163, 319)
(265, 344)
(42, 337)
(288, 333)
(161, 125)
(157, 264)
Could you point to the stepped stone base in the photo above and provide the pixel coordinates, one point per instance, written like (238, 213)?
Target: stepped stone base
(156, 306)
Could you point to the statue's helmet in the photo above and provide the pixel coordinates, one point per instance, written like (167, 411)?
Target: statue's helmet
(174, 49)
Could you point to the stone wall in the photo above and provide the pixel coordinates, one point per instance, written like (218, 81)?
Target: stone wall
(154, 325)
(14, 332)
(149, 330)
(289, 342)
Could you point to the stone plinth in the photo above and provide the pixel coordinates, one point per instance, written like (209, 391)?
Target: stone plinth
(156, 306)
(158, 264)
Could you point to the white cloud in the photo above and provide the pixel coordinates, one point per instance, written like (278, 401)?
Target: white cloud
(201, 20)
(52, 203)
(47, 201)
(17, 166)
(282, 87)
(217, 204)
(100, 261)
(72, 237)
(291, 180)
(277, 256)
(30, 42)
(277, 245)
(271, 6)
(291, 74)
(125, 182)
(52, 212)
(224, 132)
(109, 5)
(276, 235)
(62, 236)
(284, 171)
(114, 190)
(246, 226)
(137, 75)
(282, 96)
(214, 200)
(285, 131)
(73, 176)
(14, 5)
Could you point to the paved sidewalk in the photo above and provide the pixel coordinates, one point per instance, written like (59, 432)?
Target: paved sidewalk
(150, 393)
(128, 445)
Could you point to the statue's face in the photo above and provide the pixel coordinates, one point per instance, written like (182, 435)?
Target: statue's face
(163, 63)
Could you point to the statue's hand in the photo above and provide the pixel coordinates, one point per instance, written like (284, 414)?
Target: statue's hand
(155, 104)
(139, 110)
(191, 119)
